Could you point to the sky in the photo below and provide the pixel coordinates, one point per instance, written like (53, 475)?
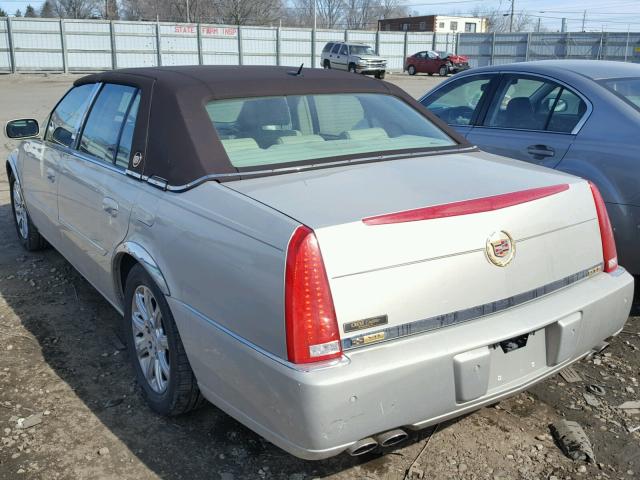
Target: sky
(608, 15)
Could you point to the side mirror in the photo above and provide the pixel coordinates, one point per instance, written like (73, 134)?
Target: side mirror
(23, 128)
(62, 136)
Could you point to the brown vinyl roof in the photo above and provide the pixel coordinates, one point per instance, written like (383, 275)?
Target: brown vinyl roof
(174, 132)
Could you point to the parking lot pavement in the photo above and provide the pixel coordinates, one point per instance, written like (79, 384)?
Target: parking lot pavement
(62, 369)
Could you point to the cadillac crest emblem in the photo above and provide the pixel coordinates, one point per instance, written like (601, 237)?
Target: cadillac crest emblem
(500, 248)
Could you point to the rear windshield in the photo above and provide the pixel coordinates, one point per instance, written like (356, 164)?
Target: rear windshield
(627, 88)
(268, 131)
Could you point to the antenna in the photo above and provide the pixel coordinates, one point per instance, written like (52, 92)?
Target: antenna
(298, 73)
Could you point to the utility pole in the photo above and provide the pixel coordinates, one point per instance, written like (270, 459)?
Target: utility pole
(538, 27)
(584, 18)
(513, 3)
(563, 27)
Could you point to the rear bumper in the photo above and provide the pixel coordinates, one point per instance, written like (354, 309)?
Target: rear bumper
(413, 383)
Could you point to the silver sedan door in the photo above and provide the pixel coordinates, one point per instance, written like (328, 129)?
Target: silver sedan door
(40, 159)
(95, 195)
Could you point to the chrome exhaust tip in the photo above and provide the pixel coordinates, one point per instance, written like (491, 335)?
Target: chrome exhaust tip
(392, 437)
(362, 446)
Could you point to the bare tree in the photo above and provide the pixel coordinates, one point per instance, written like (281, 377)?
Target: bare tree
(391, 9)
(329, 12)
(499, 19)
(77, 8)
(247, 12)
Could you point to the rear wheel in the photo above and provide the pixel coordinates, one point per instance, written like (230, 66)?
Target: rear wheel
(411, 70)
(352, 68)
(160, 361)
(327, 65)
(444, 71)
(380, 75)
(28, 234)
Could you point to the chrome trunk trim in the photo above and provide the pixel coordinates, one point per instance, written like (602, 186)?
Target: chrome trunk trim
(461, 316)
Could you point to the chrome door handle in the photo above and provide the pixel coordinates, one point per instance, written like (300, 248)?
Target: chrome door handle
(110, 206)
(51, 175)
(540, 151)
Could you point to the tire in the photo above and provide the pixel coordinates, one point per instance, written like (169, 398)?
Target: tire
(326, 65)
(380, 75)
(411, 70)
(352, 68)
(444, 71)
(172, 393)
(430, 74)
(28, 234)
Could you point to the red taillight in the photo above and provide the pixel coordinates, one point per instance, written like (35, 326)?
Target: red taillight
(312, 328)
(606, 232)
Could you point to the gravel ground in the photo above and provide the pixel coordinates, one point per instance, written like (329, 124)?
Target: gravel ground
(62, 367)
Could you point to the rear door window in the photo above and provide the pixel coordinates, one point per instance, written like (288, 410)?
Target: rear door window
(533, 103)
(336, 48)
(102, 132)
(327, 47)
(67, 116)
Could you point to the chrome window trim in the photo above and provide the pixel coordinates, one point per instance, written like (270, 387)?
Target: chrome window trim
(97, 161)
(571, 88)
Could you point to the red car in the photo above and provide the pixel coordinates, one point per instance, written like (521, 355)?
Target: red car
(431, 62)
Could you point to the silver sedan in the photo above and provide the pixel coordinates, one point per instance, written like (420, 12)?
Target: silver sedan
(314, 252)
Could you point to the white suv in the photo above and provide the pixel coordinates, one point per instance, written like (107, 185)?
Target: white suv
(354, 57)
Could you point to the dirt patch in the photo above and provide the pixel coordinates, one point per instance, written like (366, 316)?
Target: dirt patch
(61, 359)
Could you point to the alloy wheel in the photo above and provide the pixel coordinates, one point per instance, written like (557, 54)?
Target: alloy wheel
(150, 340)
(20, 211)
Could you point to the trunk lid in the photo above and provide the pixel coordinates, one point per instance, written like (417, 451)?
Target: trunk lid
(403, 273)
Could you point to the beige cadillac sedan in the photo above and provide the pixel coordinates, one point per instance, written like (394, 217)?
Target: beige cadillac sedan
(314, 252)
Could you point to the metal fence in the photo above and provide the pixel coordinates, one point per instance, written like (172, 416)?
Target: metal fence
(500, 48)
(60, 45)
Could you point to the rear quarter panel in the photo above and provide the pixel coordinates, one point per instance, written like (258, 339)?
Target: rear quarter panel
(223, 255)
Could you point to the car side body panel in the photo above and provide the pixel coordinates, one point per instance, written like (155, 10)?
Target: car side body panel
(229, 247)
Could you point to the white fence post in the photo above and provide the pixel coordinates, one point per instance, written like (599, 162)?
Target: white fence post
(114, 54)
(12, 53)
(239, 45)
(158, 45)
(493, 46)
(313, 48)
(63, 44)
(278, 46)
(200, 58)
